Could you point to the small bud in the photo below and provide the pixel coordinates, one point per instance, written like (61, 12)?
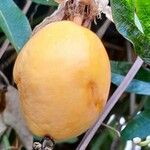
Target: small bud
(122, 121)
(136, 140)
(37, 146)
(148, 137)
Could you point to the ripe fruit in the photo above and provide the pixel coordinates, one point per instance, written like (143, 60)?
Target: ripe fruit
(63, 77)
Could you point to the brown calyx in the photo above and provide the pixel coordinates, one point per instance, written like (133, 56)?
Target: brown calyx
(81, 12)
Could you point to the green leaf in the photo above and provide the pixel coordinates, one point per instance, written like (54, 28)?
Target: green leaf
(99, 141)
(137, 127)
(14, 24)
(125, 19)
(136, 86)
(139, 85)
(138, 23)
(122, 68)
(147, 102)
(143, 13)
(46, 2)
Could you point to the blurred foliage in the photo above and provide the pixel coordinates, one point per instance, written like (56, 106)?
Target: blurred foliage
(139, 126)
(46, 2)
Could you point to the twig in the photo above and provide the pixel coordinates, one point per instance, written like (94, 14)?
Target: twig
(4, 47)
(129, 52)
(6, 42)
(132, 95)
(110, 104)
(8, 61)
(34, 11)
(4, 77)
(113, 46)
(103, 28)
(115, 144)
(139, 107)
(113, 129)
(26, 7)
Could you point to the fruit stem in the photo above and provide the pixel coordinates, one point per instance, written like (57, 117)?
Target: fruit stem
(79, 13)
(78, 19)
(110, 104)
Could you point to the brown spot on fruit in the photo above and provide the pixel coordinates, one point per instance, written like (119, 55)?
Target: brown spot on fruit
(92, 86)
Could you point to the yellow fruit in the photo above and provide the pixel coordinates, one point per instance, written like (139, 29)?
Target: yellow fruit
(63, 77)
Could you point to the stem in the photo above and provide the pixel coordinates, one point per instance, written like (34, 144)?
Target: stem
(5, 78)
(101, 31)
(4, 47)
(110, 104)
(132, 95)
(78, 19)
(26, 7)
(113, 129)
(144, 143)
(79, 12)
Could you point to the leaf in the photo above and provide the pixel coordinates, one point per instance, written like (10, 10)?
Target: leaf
(123, 12)
(14, 24)
(99, 141)
(122, 68)
(143, 13)
(139, 85)
(147, 102)
(136, 86)
(46, 2)
(138, 23)
(12, 117)
(137, 127)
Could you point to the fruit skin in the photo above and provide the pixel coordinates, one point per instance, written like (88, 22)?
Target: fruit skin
(63, 78)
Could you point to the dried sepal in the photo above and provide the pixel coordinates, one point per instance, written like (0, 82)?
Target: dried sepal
(12, 117)
(103, 7)
(81, 12)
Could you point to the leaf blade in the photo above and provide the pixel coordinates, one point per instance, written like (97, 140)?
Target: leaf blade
(123, 12)
(139, 126)
(139, 85)
(136, 86)
(14, 24)
(143, 11)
